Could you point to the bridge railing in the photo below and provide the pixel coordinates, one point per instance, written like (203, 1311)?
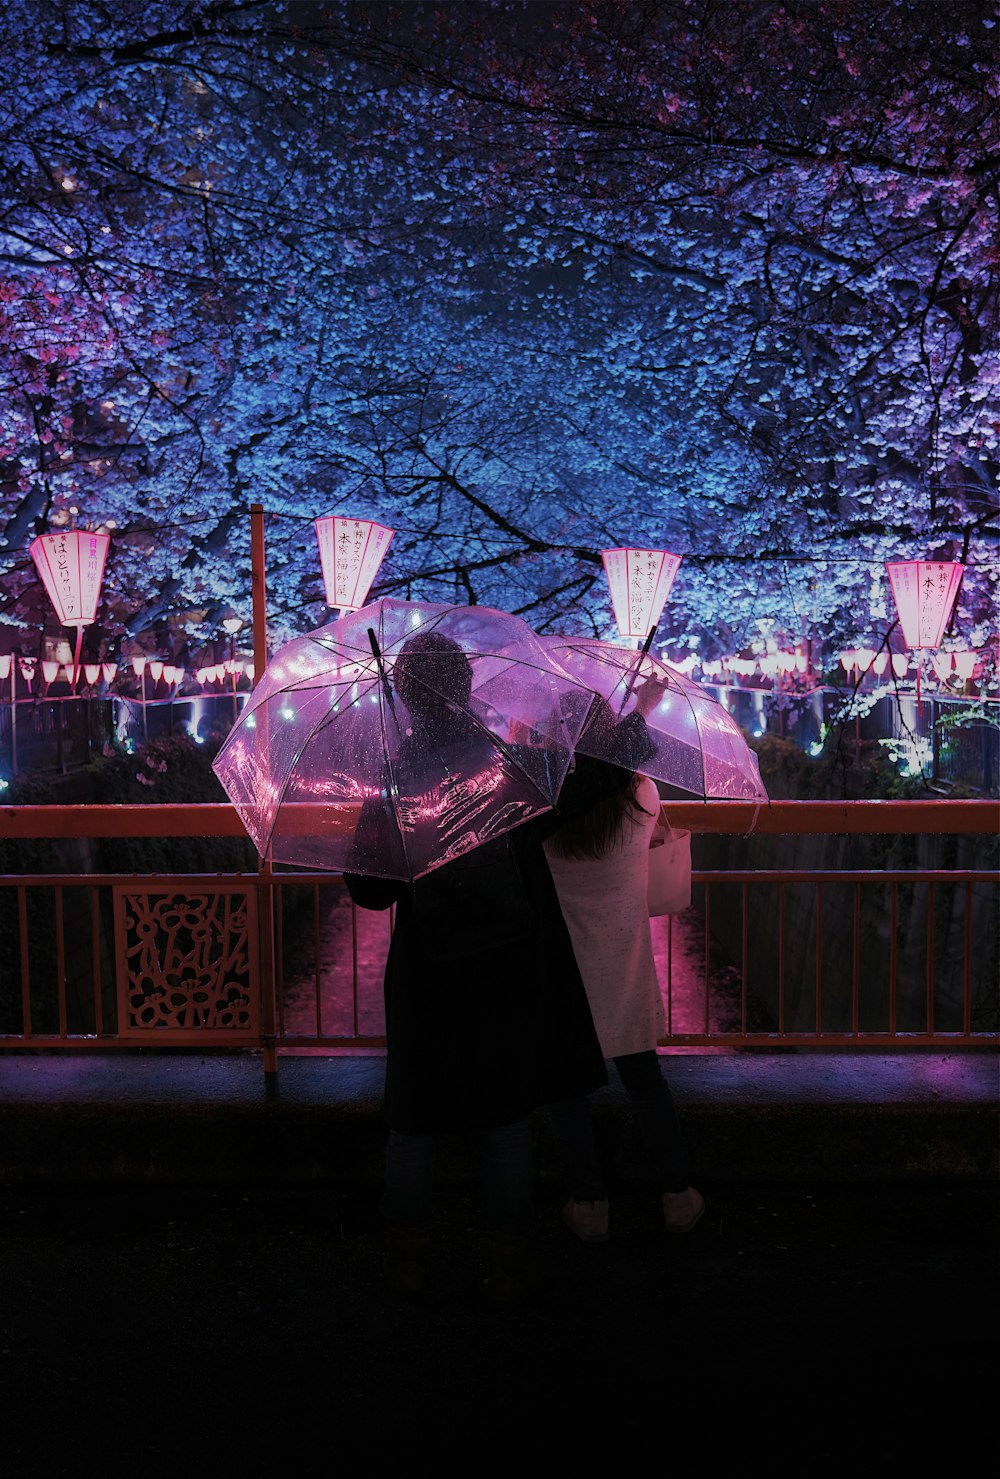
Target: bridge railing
(281, 962)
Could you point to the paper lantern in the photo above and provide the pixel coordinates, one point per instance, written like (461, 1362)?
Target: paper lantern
(924, 592)
(900, 663)
(640, 581)
(138, 666)
(6, 664)
(156, 669)
(71, 566)
(92, 671)
(965, 665)
(350, 553)
(109, 670)
(941, 663)
(50, 671)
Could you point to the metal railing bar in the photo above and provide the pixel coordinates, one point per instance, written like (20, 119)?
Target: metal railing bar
(856, 960)
(967, 963)
(22, 920)
(744, 958)
(317, 973)
(819, 957)
(781, 957)
(893, 955)
(930, 957)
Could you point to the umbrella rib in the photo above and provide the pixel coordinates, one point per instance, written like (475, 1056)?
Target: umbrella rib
(314, 729)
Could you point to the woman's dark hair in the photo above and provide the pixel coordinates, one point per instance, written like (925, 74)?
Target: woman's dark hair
(432, 673)
(605, 796)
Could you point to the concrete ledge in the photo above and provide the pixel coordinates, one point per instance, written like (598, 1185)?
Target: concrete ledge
(180, 1117)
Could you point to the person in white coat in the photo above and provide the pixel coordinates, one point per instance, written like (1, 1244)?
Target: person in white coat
(599, 860)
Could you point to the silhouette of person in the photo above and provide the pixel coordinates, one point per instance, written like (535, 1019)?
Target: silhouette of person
(599, 858)
(486, 1014)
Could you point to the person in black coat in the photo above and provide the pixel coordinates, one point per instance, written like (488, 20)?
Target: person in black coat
(487, 1018)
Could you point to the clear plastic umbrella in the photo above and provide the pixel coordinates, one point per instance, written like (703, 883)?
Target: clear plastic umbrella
(698, 747)
(399, 737)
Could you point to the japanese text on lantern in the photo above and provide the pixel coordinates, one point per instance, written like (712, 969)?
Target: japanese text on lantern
(640, 582)
(350, 552)
(924, 592)
(71, 566)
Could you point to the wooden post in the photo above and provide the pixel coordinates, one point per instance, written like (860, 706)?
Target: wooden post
(265, 896)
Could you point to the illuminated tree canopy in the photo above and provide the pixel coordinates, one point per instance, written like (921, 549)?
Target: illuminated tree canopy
(521, 280)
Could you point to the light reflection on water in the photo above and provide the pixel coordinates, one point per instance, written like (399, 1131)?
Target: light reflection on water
(320, 1001)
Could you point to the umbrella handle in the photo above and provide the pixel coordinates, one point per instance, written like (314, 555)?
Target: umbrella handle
(377, 653)
(643, 650)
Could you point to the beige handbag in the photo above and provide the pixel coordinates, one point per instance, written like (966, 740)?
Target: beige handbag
(669, 880)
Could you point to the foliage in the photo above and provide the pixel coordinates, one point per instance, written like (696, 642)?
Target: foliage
(522, 280)
(165, 771)
(837, 774)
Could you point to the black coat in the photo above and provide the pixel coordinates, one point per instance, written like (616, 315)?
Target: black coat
(486, 1014)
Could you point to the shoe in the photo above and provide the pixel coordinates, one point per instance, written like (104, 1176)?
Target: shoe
(682, 1209)
(407, 1259)
(589, 1220)
(514, 1270)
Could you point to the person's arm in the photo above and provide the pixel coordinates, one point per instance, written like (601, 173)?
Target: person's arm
(376, 845)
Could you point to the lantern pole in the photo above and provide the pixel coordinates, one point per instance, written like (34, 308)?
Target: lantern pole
(232, 625)
(265, 912)
(12, 659)
(258, 587)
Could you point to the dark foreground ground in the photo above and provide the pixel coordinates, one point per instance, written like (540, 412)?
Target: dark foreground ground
(243, 1329)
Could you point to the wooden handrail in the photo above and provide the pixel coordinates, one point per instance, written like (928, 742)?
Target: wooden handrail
(775, 818)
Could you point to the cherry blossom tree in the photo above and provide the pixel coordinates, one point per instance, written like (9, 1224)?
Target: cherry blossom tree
(523, 281)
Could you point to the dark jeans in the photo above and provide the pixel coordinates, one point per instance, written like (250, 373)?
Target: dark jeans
(508, 1180)
(573, 1133)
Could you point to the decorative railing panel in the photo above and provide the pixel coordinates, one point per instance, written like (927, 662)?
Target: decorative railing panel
(186, 961)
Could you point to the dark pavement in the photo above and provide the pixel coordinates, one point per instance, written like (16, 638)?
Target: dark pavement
(231, 1322)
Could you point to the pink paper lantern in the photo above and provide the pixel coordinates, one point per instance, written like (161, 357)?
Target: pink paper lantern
(965, 665)
(924, 592)
(71, 566)
(156, 669)
(50, 671)
(350, 553)
(6, 663)
(640, 581)
(91, 671)
(941, 663)
(109, 670)
(138, 666)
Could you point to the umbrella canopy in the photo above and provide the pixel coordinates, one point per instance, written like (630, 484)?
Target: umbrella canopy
(399, 737)
(697, 746)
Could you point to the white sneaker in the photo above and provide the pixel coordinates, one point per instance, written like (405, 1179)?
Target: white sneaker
(682, 1209)
(589, 1220)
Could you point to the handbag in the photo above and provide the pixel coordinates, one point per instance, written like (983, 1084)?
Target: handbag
(669, 879)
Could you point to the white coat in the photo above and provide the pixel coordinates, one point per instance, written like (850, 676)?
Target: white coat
(604, 903)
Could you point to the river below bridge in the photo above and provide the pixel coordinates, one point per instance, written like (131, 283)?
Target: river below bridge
(323, 947)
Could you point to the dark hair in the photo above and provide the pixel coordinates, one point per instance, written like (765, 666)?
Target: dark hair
(432, 673)
(606, 797)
